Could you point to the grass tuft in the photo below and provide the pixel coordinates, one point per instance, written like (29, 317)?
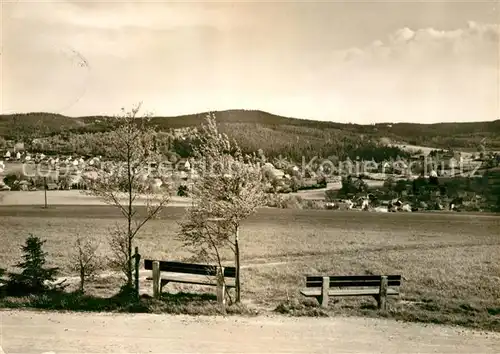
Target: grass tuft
(304, 308)
(180, 303)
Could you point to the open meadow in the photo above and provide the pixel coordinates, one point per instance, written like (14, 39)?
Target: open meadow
(449, 262)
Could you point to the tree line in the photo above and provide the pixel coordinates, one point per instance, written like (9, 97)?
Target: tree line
(287, 141)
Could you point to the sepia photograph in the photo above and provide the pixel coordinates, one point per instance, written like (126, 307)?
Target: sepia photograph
(249, 176)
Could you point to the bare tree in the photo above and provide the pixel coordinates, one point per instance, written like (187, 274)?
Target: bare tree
(229, 188)
(124, 181)
(85, 261)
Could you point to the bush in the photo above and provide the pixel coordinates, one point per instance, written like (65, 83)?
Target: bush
(3, 282)
(39, 182)
(85, 261)
(322, 182)
(331, 195)
(295, 184)
(11, 179)
(313, 186)
(312, 204)
(389, 183)
(182, 191)
(284, 202)
(353, 186)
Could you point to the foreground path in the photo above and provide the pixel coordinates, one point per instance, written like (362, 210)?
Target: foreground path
(38, 332)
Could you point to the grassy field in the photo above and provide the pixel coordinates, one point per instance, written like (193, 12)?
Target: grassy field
(426, 149)
(69, 197)
(449, 262)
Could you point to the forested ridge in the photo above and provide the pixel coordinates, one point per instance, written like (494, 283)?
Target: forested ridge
(254, 130)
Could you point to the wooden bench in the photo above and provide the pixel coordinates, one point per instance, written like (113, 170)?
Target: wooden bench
(378, 286)
(188, 273)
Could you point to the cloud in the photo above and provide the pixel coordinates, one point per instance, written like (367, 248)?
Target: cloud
(476, 43)
(419, 75)
(401, 36)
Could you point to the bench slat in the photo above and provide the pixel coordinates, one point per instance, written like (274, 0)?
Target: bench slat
(189, 268)
(197, 281)
(347, 292)
(336, 281)
(351, 277)
(194, 280)
(352, 283)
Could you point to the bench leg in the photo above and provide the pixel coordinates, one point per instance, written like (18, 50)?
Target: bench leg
(221, 287)
(221, 293)
(156, 280)
(382, 297)
(323, 299)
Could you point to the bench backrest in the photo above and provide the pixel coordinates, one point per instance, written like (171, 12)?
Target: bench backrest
(189, 268)
(316, 281)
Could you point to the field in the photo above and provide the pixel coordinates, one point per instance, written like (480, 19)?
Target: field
(426, 150)
(320, 193)
(70, 197)
(449, 262)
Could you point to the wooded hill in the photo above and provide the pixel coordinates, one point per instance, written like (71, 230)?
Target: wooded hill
(278, 135)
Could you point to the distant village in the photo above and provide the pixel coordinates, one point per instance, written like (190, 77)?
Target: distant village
(384, 186)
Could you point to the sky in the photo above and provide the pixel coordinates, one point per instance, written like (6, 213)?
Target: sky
(343, 61)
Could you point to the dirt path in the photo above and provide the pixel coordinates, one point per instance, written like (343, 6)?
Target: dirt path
(38, 332)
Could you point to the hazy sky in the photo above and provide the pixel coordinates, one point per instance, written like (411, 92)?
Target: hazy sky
(359, 62)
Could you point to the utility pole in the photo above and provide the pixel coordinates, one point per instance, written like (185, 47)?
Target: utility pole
(45, 190)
